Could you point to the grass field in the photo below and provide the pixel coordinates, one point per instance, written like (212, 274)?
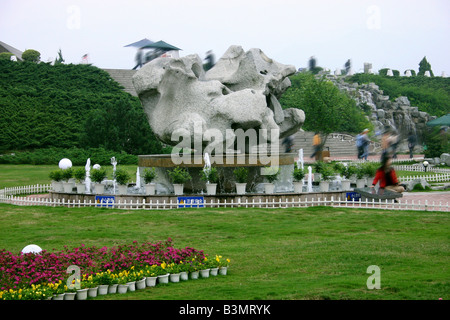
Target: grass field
(296, 253)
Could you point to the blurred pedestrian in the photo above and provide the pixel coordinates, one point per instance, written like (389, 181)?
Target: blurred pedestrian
(316, 144)
(365, 144)
(412, 141)
(288, 142)
(210, 60)
(359, 145)
(139, 59)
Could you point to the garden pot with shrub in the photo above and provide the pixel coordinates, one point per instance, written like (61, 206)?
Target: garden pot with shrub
(149, 176)
(241, 175)
(179, 176)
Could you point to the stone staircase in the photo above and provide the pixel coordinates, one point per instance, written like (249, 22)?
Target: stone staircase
(338, 144)
(123, 77)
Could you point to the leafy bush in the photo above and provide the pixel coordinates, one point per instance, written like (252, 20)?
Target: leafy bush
(210, 175)
(79, 174)
(179, 175)
(149, 175)
(67, 174)
(55, 175)
(98, 175)
(241, 174)
(122, 176)
(298, 174)
(31, 55)
(327, 172)
(6, 56)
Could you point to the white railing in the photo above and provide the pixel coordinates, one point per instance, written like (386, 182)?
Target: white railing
(287, 203)
(39, 188)
(429, 178)
(420, 168)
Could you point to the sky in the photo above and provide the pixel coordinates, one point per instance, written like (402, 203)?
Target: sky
(388, 34)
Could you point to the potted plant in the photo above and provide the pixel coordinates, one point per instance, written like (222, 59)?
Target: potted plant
(241, 175)
(66, 175)
(179, 176)
(97, 176)
(360, 176)
(318, 166)
(327, 174)
(174, 272)
(346, 171)
(151, 275)
(223, 266)
(80, 174)
(211, 176)
(122, 177)
(298, 175)
(162, 274)
(56, 177)
(149, 176)
(271, 174)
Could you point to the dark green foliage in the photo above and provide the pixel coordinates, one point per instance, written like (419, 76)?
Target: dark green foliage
(122, 176)
(431, 95)
(6, 56)
(326, 108)
(437, 142)
(78, 156)
(66, 106)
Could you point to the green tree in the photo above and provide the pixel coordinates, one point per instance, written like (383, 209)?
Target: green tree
(424, 65)
(31, 55)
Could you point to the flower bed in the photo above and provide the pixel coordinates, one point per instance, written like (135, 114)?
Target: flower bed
(41, 276)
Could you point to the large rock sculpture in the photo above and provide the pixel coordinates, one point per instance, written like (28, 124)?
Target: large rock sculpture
(240, 92)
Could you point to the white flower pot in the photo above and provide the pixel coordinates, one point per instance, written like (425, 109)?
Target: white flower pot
(81, 188)
(324, 186)
(163, 278)
(268, 188)
(122, 188)
(58, 296)
(184, 276)
(150, 281)
(178, 189)
(150, 188)
(82, 294)
(103, 289)
(122, 288)
(345, 185)
(211, 188)
(140, 284)
(214, 271)
(223, 271)
(194, 275)
(112, 288)
(57, 186)
(69, 295)
(92, 292)
(204, 273)
(174, 277)
(240, 188)
(99, 188)
(360, 183)
(298, 186)
(131, 286)
(68, 187)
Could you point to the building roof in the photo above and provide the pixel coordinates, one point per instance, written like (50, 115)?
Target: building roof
(7, 48)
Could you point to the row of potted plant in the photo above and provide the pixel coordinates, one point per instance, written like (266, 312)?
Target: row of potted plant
(123, 281)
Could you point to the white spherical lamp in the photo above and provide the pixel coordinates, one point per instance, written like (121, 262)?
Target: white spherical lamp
(96, 166)
(32, 248)
(65, 164)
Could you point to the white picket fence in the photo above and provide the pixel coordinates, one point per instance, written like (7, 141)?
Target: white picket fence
(434, 178)
(38, 188)
(286, 203)
(420, 168)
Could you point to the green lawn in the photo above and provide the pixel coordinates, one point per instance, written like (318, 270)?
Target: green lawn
(26, 174)
(296, 253)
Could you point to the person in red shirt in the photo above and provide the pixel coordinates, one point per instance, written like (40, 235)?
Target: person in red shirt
(387, 177)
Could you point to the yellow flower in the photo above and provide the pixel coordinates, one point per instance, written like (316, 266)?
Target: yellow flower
(20, 296)
(163, 265)
(228, 260)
